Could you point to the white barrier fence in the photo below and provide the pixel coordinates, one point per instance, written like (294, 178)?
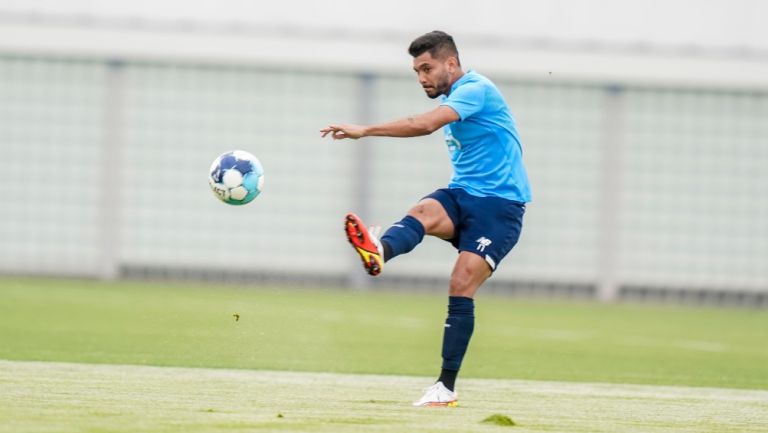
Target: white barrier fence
(106, 162)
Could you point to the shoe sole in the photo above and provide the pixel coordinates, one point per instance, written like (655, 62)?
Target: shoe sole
(440, 404)
(352, 228)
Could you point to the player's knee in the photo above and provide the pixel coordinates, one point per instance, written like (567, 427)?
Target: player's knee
(462, 284)
(418, 210)
(421, 213)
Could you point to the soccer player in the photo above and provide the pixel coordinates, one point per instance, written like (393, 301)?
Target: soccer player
(480, 212)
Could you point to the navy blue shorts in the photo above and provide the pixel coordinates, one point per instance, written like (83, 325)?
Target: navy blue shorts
(486, 226)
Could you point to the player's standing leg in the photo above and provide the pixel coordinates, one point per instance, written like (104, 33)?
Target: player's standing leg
(469, 273)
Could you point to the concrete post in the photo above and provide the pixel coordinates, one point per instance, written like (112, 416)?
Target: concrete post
(610, 195)
(111, 170)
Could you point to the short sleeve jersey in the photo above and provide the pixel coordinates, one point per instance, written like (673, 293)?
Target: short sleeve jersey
(483, 144)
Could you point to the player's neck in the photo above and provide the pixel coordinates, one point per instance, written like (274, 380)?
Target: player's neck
(454, 79)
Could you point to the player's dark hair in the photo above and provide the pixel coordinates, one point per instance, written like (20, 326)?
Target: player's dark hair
(439, 44)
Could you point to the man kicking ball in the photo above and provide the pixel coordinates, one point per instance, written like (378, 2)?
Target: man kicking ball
(480, 212)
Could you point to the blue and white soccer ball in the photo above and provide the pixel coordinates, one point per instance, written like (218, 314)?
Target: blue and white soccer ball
(236, 177)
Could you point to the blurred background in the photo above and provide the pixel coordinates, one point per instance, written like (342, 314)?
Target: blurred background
(644, 129)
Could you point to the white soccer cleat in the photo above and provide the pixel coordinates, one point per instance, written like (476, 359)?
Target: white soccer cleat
(438, 395)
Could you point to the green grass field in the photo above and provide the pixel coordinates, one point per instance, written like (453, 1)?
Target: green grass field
(76, 356)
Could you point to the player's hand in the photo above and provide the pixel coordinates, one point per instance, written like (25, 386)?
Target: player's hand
(339, 132)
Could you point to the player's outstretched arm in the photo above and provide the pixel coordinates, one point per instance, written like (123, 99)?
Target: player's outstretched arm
(413, 126)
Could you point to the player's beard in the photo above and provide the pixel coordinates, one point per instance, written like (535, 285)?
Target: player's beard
(442, 87)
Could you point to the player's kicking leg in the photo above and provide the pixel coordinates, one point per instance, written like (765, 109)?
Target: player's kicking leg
(400, 238)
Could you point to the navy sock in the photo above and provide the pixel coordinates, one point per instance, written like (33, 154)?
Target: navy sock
(458, 331)
(448, 377)
(402, 237)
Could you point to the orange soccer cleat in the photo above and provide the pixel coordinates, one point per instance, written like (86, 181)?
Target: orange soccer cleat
(366, 244)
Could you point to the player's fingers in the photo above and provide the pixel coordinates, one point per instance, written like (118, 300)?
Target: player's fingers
(328, 129)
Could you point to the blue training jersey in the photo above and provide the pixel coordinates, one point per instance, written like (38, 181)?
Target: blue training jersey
(483, 144)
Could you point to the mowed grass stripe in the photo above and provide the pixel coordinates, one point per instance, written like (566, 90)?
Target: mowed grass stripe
(377, 332)
(61, 397)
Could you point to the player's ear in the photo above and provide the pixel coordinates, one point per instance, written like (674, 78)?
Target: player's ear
(452, 63)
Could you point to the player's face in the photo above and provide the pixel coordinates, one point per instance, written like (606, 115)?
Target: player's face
(434, 74)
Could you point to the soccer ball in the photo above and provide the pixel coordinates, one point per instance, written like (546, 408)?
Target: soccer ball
(236, 177)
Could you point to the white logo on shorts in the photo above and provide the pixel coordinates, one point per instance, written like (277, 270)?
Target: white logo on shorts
(482, 243)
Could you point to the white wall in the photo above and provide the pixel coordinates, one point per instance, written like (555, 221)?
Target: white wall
(736, 24)
(682, 43)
